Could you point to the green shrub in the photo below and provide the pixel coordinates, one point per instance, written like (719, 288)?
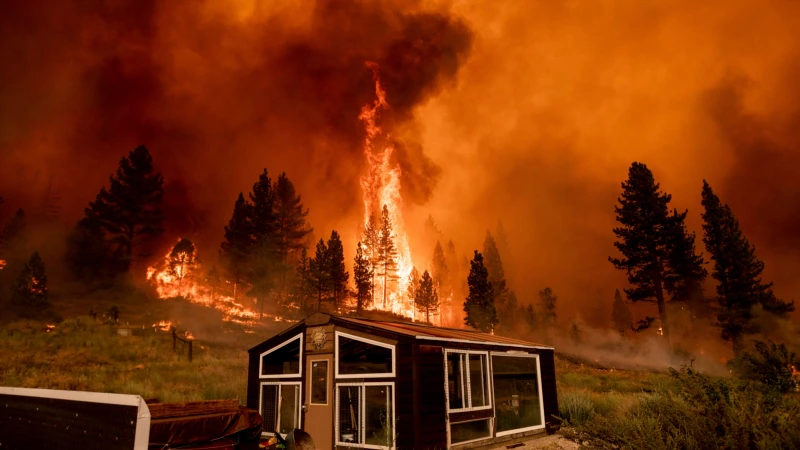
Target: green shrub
(576, 407)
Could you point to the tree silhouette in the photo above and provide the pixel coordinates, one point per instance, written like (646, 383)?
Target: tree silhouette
(29, 297)
(362, 277)
(479, 305)
(292, 229)
(547, 303)
(387, 252)
(371, 243)
(319, 269)
(413, 284)
(643, 238)
(337, 271)
(182, 260)
(238, 242)
(686, 274)
(304, 286)
(426, 298)
(439, 271)
(621, 319)
(89, 256)
(129, 211)
(737, 271)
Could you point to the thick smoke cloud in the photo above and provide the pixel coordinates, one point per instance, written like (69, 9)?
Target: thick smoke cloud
(530, 112)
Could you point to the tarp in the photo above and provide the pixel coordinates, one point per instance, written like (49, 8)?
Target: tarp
(240, 426)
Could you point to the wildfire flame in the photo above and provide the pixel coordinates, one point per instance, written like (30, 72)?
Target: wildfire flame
(381, 186)
(2, 264)
(182, 281)
(163, 325)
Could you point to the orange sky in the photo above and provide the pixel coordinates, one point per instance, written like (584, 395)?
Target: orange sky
(529, 112)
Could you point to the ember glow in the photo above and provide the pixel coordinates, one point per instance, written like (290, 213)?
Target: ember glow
(381, 186)
(2, 264)
(173, 281)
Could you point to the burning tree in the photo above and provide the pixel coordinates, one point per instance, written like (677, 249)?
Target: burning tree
(387, 252)
(182, 260)
(479, 306)
(362, 277)
(29, 297)
(371, 243)
(737, 270)
(426, 299)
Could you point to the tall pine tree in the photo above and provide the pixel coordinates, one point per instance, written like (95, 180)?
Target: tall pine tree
(238, 242)
(129, 211)
(292, 229)
(387, 252)
(29, 297)
(426, 299)
(479, 305)
(362, 277)
(644, 238)
(320, 276)
(263, 260)
(371, 243)
(337, 271)
(439, 271)
(686, 274)
(737, 271)
(494, 264)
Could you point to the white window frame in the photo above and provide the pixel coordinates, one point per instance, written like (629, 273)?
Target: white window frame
(450, 431)
(467, 385)
(538, 383)
(361, 411)
(299, 417)
(311, 383)
(368, 341)
(282, 375)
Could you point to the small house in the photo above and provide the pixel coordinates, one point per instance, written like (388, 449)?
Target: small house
(360, 383)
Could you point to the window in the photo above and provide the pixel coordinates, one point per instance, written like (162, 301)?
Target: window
(467, 380)
(319, 382)
(283, 360)
(358, 357)
(470, 431)
(365, 415)
(517, 393)
(279, 405)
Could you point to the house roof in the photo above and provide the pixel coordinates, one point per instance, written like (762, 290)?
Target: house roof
(433, 333)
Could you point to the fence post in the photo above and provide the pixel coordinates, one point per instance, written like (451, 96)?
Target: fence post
(173, 340)
(190, 350)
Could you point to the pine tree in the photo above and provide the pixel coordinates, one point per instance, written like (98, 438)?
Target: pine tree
(319, 269)
(501, 237)
(263, 261)
(426, 299)
(29, 297)
(529, 317)
(261, 268)
(129, 211)
(479, 305)
(685, 274)
(362, 277)
(497, 277)
(304, 286)
(387, 252)
(547, 303)
(413, 284)
(89, 256)
(644, 238)
(292, 229)
(621, 319)
(182, 260)
(237, 245)
(439, 271)
(371, 243)
(337, 270)
(737, 271)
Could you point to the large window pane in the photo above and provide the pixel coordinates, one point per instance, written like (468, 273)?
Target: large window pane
(357, 357)
(455, 380)
(477, 380)
(378, 429)
(319, 382)
(282, 361)
(516, 392)
(349, 411)
(288, 408)
(469, 431)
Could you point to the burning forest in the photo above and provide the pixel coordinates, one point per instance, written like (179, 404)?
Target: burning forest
(613, 181)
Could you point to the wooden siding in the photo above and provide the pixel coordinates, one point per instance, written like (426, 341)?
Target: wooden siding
(547, 366)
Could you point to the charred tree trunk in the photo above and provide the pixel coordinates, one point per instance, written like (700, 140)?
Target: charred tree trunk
(662, 307)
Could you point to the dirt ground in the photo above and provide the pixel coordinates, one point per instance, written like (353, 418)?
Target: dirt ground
(552, 442)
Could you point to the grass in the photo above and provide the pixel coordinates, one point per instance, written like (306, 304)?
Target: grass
(617, 409)
(80, 354)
